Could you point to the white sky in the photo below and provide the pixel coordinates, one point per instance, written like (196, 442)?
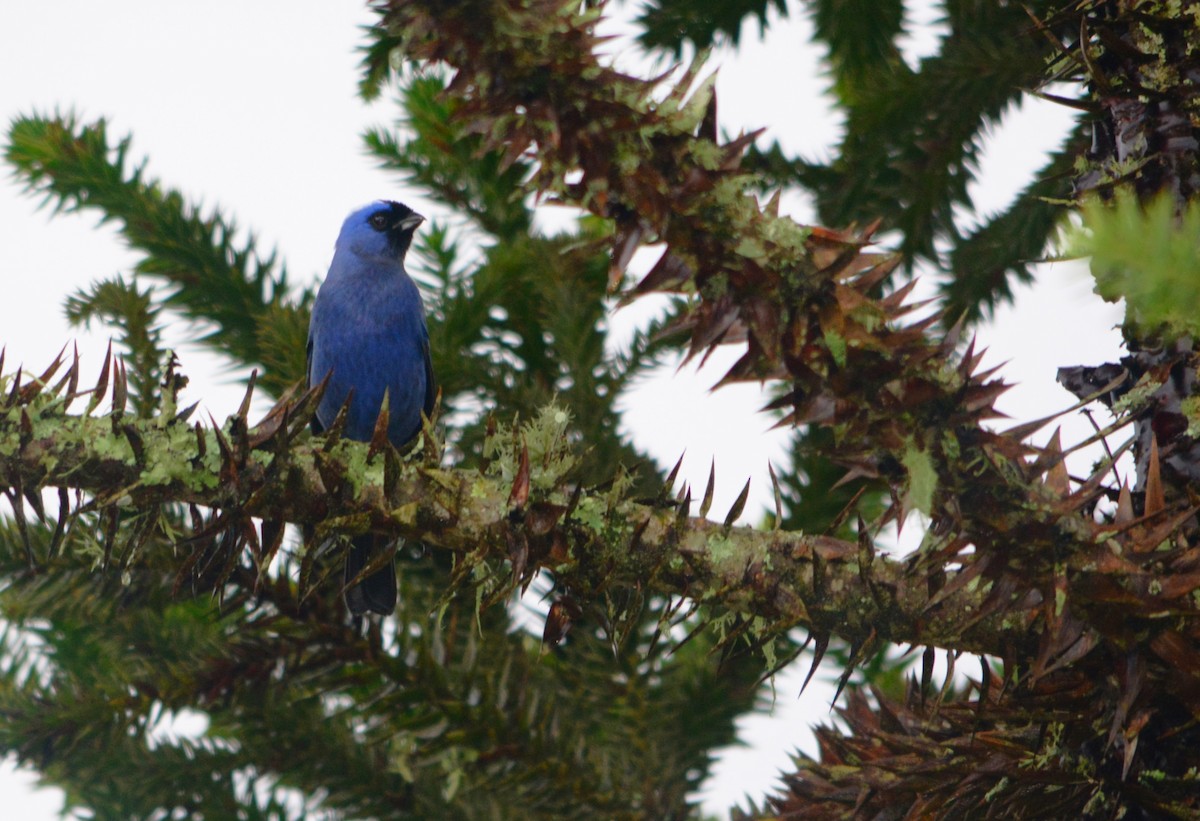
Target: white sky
(252, 106)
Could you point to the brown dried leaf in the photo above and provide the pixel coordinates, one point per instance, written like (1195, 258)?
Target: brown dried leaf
(1124, 512)
(379, 436)
(1057, 478)
(563, 614)
(1178, 584)
(519, 495)
(972, 571)
(1177, 651)
(541, 517)
(1156, 498)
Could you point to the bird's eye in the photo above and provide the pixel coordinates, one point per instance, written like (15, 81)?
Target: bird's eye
(378, 222)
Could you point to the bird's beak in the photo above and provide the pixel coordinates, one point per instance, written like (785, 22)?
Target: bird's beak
(410, 222)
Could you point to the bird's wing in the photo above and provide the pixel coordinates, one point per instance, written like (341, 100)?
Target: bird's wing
(316, 425)
(430, 379)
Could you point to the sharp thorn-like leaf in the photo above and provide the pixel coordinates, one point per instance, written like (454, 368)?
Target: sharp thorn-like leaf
(985, 685)
(243, 411)
(1057, 479)
(669, 483)
(518, 497)
(820, 644)
(14, 396)
(34, 497)
(857, 653)
(928, 657)
(25, 427)
(101, 388)
(333, 434)
(65, 388)
(1124, 512)
(40, 383)
(708, 124)
(771, 209)
(391, 472)
(683, 512)
(559, 620)
(271, 540)
(379, 435)
(16, 502)
(201, 443)
(778, 494)
(184, 415)
(120, 388)
(739, 505)
(706, 502)
(60, 526)
(573, 503)
(1156, 498)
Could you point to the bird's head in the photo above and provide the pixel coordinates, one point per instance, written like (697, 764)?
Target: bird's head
(381, 229)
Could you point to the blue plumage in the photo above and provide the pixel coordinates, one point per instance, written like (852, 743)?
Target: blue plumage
(368, 335)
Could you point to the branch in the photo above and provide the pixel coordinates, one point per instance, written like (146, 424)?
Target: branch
(510, 515)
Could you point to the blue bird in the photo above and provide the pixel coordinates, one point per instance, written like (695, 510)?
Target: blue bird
(368, 335)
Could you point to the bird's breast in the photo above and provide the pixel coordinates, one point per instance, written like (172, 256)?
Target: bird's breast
(370, 347)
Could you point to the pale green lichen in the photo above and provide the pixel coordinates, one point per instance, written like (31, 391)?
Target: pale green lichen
(1098, 803)
(750, 248)
(1191, 409)
(1050, 750)
(922, 478)
(1060, 594)
(480, 488)
(359, 472)
(950, 446)
(687, 115)
(707, 154)
(729, 557)
(174, 458)
(836, 345)
(591, 513)
(758, 630)
(547, 441)
(110, 446)
(406, 514)
(869, 316)
(1000, 787)
(788, 235)
(721, 551)
(729, 196)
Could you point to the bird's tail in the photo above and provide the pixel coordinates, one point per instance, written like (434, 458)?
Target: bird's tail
(377, 592)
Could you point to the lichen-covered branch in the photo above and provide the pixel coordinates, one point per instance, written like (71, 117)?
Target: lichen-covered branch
(522, 513)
